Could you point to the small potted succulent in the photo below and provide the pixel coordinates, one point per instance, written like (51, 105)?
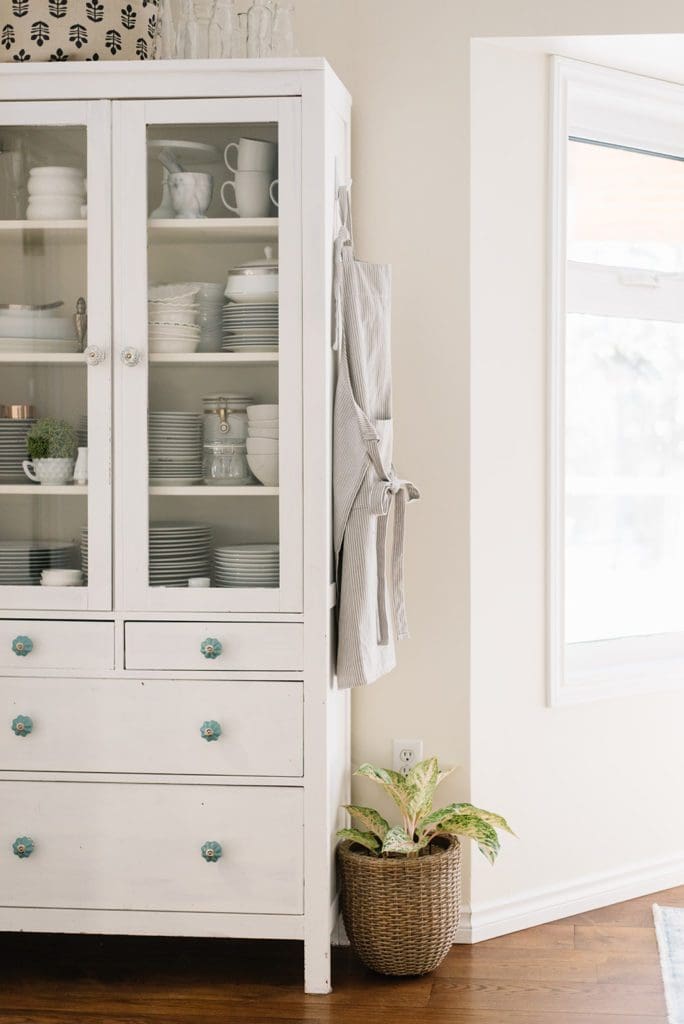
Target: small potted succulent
(401, 885)
(52, 447)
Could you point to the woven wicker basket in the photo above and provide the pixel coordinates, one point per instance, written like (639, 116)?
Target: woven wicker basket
(401, 913)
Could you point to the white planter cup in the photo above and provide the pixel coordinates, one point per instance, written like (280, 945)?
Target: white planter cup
(49, 471)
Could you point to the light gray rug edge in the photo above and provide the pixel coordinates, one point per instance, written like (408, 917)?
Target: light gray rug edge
(669, 927)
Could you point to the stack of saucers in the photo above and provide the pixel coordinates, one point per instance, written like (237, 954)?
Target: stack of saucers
(55, 193)
(210, 305)
(178, 552)
(172, 312)
(250, 327)
(22, 561)
(247, 565)
(175, 452)
(82, 431)
(13, 449)
(84, 553)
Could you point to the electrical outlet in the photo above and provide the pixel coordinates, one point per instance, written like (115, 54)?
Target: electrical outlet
(406, 753)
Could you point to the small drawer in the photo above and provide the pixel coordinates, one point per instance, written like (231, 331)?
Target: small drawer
(116, 846)
(215, 646)
(158, 726)
(51, 643)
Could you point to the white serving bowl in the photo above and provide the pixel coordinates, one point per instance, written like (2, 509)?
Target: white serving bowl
(264, 467)
(271, 432)
(264, 423)
(61, 577)
(159, 315)
(262, 412)
(52, 327)
(58, 209)
(55, 172)
(262, 445)
(172, 345)
(48, 187)
(163, 292)
(262, 291)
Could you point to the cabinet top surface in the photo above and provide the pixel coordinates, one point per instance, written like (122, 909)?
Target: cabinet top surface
(111, 79)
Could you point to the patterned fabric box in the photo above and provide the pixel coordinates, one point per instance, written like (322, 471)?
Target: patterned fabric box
(54, 30)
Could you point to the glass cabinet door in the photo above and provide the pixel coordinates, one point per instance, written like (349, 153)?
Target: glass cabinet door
(207, 242)
(55, 383)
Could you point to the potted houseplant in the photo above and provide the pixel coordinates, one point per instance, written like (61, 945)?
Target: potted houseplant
(400, 885)
(52, 447)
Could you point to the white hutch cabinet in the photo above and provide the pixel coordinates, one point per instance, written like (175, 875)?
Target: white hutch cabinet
(120, 810)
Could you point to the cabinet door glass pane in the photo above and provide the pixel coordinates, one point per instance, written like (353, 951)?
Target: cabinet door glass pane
(44, 370)
(213, 342)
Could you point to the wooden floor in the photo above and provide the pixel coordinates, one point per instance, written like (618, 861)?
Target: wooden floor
(596, 968)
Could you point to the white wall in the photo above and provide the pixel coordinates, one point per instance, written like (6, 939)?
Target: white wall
(408, 66)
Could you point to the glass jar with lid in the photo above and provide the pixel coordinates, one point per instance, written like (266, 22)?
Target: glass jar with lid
(225, 417)
(225, 464)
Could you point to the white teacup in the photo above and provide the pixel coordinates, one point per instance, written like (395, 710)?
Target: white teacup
(252, 155)
(253, 193)
(55, 472)
(190, 193)
(61, 578)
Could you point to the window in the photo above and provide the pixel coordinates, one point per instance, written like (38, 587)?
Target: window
(617, 385)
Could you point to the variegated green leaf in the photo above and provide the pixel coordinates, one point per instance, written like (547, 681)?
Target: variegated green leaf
(398, 840)
(393, 783)
(431, 821)
(444, 774)
(492, 819)
(370, 818)
(420, 783)
(366, 839)
(468, 825)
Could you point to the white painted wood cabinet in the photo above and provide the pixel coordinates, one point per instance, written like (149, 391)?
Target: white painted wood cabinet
(172, 756)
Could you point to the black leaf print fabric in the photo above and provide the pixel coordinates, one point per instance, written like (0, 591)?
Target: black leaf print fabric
(62, 30)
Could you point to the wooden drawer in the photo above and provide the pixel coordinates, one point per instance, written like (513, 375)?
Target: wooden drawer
(116, 846)
(132, 725)
(245, 646)
(57, 643)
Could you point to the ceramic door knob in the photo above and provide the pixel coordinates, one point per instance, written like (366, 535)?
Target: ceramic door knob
(210, 731)
(22, 645)
(22, 725)
(211, 852)
(211, 647)
(23, 846)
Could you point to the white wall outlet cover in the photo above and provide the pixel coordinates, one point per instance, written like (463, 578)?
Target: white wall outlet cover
(406, 753)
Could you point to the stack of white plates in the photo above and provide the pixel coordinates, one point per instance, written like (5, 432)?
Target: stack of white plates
(23, 561)
(25, 328)
(172, 311)
(55, 193)
(82, 431)
(250, 327)
(84, 554)
(13, 450)
(178, 551)
(247, 565)
(175, 448)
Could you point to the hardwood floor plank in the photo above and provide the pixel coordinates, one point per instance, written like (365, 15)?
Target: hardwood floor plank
(630, 970)
(567, 997)
(615, 938)
(568, 967)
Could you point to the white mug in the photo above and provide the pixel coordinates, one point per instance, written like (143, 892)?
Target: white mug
(252, 155)
(253, 193)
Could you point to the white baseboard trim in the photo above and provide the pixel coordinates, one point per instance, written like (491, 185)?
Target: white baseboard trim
(539, 906)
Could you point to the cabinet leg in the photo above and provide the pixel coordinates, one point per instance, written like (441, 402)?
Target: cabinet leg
(317, 966)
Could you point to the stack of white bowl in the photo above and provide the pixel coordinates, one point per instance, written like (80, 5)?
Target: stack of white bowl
(55, 193)
(172, 312)
(262, 443)
(210, 308)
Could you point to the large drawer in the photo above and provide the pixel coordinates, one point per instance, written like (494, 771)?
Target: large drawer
(139, 847)
(56, 643)
(155, 726)
(244, 646)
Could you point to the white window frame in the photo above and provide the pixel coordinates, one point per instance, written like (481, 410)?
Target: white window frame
(617, 108)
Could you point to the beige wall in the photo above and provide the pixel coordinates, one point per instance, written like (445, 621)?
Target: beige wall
(407, 65)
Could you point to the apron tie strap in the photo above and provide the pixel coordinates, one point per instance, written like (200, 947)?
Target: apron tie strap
(384, 495)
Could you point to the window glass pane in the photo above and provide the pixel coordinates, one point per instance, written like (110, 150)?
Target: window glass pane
(624, 463)
(624, 208)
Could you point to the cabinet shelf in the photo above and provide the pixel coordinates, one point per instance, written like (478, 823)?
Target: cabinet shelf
(216, 358)
(53, 358)
(73, 490)
(215, 229)
(70, 229)
(200, 490)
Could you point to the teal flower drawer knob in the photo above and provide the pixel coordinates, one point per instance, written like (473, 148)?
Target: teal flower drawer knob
(23, 846)
(22, 725)
(211, 647)
(210, 731)
(22, 645)
(211, 852)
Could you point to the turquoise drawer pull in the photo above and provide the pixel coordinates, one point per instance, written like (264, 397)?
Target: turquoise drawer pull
(211, 647)
(22, 725)
(23, 846)
(22, 645)
(211, 852)
(210, 731)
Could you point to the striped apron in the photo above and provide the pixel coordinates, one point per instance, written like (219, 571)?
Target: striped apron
(366, 488)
